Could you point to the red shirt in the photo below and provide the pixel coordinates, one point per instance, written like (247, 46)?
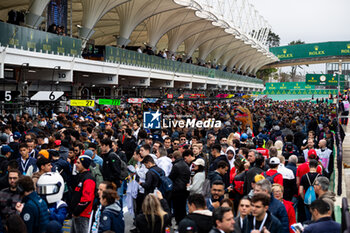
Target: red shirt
(304, 168)
(278, 178)
(263, 151)
(291, 214)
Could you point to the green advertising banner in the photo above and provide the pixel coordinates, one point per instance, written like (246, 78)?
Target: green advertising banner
(323, 79)
(299, 92)
(114, 102)
(289, 86)
(300, 51)
(34, 40)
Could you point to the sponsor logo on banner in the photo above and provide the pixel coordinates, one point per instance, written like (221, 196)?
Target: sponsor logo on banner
(135, 100)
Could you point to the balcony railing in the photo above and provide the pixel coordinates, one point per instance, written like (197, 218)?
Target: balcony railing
(129, 57)
(39, 41)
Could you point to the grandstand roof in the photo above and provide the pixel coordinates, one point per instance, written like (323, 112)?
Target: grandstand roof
(231, 33)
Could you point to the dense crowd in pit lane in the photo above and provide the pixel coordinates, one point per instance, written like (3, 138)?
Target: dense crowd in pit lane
(268, 163)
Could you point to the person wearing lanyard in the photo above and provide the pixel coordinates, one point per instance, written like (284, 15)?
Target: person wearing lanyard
(261, 220)
(27, 165)
(244, 209)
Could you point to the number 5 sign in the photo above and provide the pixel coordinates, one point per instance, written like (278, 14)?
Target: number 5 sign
(47, 95)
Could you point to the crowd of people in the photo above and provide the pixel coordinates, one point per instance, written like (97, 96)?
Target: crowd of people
(57, 29)
(89, 166)
(166, 54)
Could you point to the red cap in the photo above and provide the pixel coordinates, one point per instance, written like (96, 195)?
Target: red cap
(58, 142)
(311, 154)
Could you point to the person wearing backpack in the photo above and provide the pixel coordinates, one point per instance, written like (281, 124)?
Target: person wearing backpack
(111, 163)
(272, 175)
(306, 188)
(33, 210)
(95, 168)
(152, 178)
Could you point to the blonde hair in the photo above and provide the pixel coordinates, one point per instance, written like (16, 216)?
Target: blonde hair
(275, 186)
(230, 139)
(279, 144)
(151, 206)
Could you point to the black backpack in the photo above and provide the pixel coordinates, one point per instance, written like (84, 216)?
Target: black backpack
(271, 178)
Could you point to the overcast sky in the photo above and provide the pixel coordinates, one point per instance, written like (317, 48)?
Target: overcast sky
(308, 20)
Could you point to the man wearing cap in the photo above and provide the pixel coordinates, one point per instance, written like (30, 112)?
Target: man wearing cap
(304, 168)
(272, 174)
(4, 159)
(83, 196)
(94, 168)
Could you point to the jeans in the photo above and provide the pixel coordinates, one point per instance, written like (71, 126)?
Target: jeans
(80, 225)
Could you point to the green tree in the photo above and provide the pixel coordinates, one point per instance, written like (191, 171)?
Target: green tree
(265, 73)
(294, 68)
(273, 40)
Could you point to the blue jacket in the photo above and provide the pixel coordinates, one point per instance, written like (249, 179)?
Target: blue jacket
(323, 225)
(63, 167)
(293, 167)
(58, 211)
(279, 211)
(112, 219)
(30, 165)
(209, 202)
(35, 213)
